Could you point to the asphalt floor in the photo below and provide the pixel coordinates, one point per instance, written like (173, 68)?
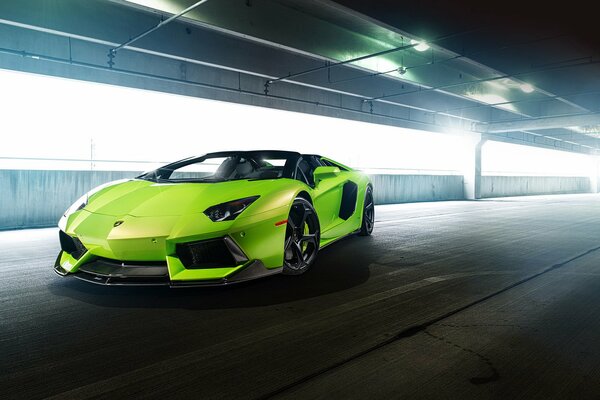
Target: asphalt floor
(496, 298)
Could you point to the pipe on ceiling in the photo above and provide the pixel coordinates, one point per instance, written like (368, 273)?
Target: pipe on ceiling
(156, 27)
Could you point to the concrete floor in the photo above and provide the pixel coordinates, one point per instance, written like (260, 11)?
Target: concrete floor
(487, 299)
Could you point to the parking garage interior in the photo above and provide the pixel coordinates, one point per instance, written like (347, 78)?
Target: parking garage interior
(478, 126)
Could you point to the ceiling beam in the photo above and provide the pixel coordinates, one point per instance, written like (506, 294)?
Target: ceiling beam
(538, 123)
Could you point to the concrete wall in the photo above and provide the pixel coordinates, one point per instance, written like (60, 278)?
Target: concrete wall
(32, 198)
(500, 186)
(390, 189)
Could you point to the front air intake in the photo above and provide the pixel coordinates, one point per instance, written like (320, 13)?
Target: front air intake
(214, 253)
(71, 245)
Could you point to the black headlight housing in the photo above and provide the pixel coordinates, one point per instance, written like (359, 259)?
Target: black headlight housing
(230, 210)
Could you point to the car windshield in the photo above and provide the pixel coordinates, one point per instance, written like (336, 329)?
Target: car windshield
(222, 167)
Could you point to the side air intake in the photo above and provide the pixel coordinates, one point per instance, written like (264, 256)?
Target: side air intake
(214, 253)
(71, 245)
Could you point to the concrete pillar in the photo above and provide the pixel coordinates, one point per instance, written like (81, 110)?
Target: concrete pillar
(472, 168)
(595, 175)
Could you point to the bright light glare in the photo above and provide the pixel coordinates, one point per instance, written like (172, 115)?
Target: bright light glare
(420, 46)
(168, 6)
(527, 88)
(510, 159)
(57, 118)
(377, 64)
(590, 130)
(490, 98)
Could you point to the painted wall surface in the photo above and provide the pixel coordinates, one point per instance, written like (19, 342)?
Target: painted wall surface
(37, 198)
(501, 186)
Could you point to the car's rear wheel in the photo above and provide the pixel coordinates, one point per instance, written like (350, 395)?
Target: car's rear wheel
(301, 238)
(368, 220)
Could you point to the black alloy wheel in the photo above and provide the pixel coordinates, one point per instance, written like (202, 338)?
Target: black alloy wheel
(301, 238)
(368, 220)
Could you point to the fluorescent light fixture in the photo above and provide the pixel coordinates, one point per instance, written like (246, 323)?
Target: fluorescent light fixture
(376, 64)
(527, 88)
(420, 46)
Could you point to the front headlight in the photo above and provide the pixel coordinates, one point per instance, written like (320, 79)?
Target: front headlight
(83, 201)
(78, 205)
(230, 210)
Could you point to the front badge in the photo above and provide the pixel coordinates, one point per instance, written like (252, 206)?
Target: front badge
(118, 223)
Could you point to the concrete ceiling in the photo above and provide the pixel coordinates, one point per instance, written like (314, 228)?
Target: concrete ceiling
(465, 80)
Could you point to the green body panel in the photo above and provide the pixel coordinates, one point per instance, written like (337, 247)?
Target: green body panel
(157, 216)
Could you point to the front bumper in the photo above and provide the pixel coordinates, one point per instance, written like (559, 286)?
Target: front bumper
(194, 250)
(210, 262)
(113, 273)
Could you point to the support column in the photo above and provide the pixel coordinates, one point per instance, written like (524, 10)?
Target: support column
(595, 175)
(472, 168)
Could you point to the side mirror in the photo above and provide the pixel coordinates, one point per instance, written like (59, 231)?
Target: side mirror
(325, 172)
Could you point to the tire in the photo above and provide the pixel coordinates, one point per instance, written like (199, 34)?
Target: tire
(302, 237)
(368, 217)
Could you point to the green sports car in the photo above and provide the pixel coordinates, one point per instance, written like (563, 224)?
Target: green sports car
(212, 220)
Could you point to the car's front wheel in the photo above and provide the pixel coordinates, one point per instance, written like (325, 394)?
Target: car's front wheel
(301, 238)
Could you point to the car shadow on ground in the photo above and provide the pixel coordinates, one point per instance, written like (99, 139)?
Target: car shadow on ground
(341, 266)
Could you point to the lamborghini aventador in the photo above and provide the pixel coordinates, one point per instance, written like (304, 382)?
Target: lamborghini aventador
(212, 220)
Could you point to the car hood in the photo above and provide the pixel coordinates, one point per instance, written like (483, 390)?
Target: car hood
(142, 198)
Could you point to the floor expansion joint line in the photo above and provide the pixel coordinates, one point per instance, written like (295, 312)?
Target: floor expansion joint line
(415, 329)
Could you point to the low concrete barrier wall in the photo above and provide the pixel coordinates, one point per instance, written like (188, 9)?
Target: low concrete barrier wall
(35, 198)
(502, 186)
(390, 189)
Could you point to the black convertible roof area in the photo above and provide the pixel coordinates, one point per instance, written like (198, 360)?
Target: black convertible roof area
(268, 153)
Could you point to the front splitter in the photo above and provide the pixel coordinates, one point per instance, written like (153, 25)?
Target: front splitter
(134, 276)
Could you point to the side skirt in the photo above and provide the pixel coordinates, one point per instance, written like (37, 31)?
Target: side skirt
(338, 239)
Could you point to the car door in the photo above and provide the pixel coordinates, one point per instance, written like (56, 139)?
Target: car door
(326, 194)
(342, 197)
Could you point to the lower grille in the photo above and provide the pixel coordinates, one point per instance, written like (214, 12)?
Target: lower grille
(214, 253)
(71, 245)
